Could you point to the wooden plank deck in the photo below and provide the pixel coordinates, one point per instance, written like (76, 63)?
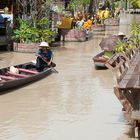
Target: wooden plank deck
(126, 67)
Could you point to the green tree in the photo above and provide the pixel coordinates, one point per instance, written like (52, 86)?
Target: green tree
(93, 6)
(135, 3)
(80, 5)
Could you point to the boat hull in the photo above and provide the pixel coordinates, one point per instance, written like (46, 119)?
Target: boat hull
(11, 84)
(99, 62)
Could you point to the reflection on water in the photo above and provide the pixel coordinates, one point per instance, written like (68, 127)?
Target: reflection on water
(77, 103)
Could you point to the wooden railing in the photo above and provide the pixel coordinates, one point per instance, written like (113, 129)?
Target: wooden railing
(119, 63)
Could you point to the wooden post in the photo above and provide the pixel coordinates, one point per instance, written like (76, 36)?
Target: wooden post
(11, 6)
(123, 100)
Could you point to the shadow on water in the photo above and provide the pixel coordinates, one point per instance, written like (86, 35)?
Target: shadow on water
(6, 91)
(10, 90)
(3, 48)
(101, 68)
(130, 133)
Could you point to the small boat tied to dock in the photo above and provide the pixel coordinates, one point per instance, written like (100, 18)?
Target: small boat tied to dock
(99, 60)
(107, 45)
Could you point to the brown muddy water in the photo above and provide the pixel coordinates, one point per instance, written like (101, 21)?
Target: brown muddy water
(77, 103)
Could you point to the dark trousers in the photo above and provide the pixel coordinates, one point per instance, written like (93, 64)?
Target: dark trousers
(40, 64)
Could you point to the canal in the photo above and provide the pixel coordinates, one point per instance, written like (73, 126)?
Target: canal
(77, 103)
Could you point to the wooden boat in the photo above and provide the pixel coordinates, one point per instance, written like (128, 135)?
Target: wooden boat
(99, 27)
(99, 60)
(112, 21)
(27, 73)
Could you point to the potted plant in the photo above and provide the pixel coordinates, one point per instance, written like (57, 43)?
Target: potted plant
(27, 36)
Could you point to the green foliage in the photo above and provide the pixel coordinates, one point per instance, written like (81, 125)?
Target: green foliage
(109, 54)
(43, 22)
(131, 45)
(123, 46)
(23, 34)
(44, 32)
(135, 31)
(120, 47)
(72, 5)
(78, 4)
(135, 3)
(117, 4)
(27, 33)
(133, 41)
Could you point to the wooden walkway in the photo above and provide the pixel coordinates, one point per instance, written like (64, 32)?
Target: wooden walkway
(126, 68)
